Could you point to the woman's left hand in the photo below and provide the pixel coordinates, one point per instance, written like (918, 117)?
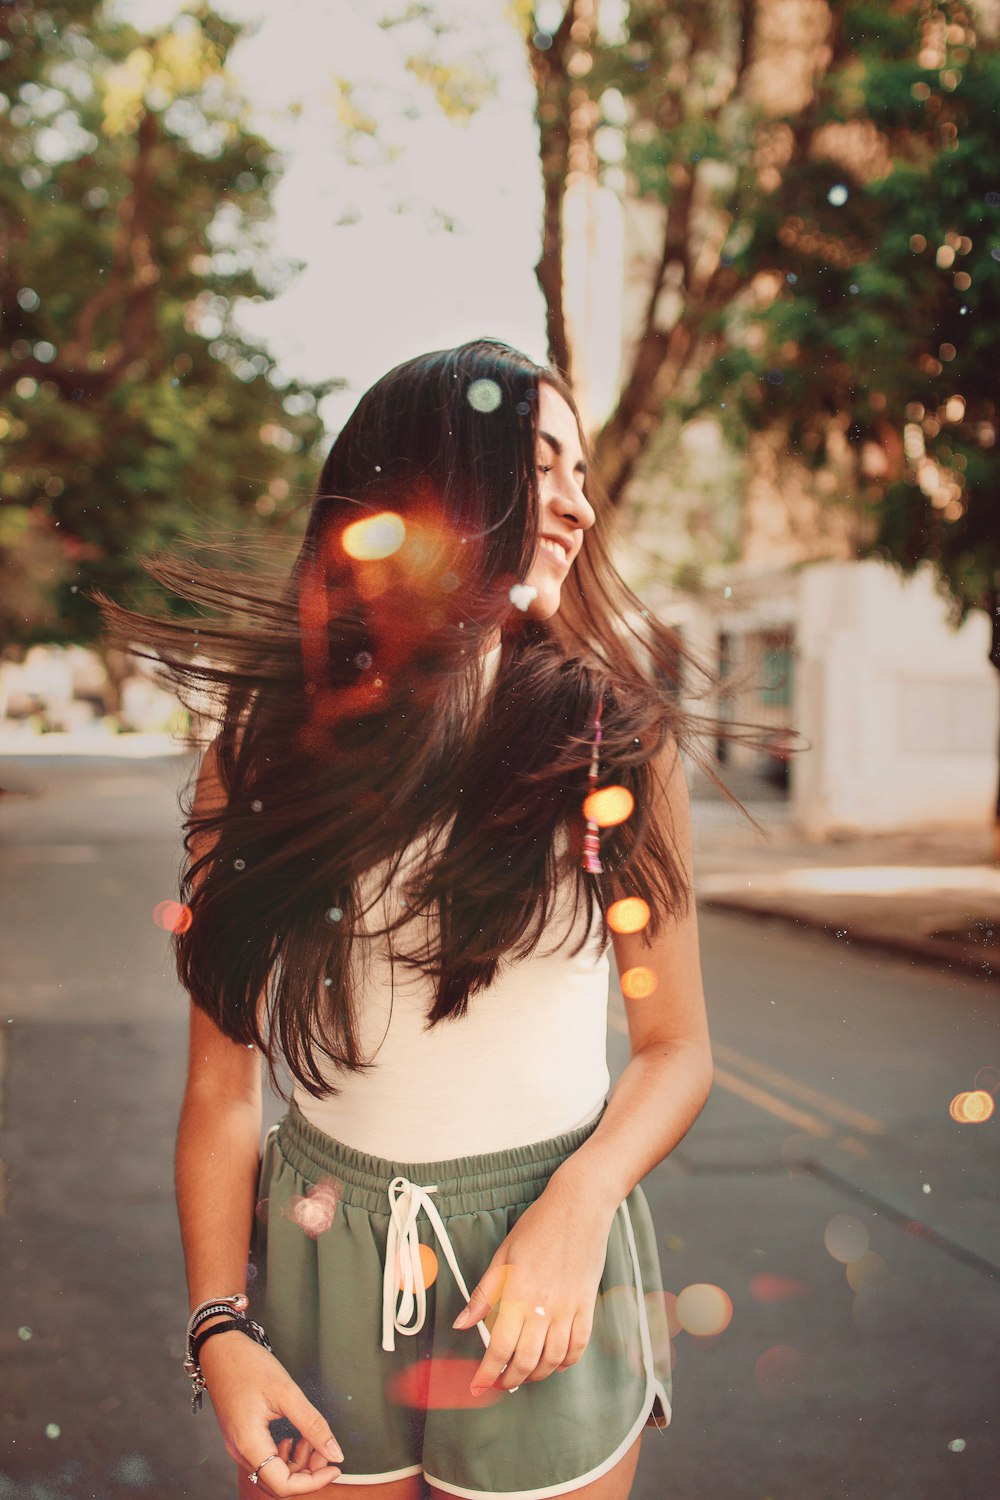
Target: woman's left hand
(543, 1280)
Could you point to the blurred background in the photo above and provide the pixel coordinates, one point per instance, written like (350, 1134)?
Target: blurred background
(762, 238)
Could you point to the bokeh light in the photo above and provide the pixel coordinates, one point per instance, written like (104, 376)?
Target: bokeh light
(868, 1271)
(972, 1108)
(616, 1323)
(172, 916)
(637, 983)
(315, 1213)
(988, 1078)
(484, 395)
(778, 1370)
(428, 1267)
(608, 806)
(439, 1384)
(630, 914)
(374, 537)
(767, 1287)
(845, 1238)
(704, 1310)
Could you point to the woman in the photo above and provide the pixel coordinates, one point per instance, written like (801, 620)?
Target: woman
(395, 898)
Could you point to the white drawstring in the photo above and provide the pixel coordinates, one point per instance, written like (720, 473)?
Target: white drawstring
(402, 1256)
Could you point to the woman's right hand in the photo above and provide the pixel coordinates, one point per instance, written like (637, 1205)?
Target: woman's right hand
(250, 1388)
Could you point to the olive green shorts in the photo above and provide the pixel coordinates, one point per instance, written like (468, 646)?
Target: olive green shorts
(375, 1351)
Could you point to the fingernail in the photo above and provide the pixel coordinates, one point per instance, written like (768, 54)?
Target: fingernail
(461, 1318)
(333, 1450)
(477, 1390)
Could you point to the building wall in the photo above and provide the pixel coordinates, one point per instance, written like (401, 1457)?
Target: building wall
(902, 712)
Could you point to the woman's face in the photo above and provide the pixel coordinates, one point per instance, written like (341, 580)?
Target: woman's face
(564, 512)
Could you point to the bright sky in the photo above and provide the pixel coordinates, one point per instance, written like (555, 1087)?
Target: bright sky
(391, 284)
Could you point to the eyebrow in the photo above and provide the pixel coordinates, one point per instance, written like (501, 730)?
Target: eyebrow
(557, 449)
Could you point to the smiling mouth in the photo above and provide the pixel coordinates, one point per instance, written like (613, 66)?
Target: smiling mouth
(553, 549)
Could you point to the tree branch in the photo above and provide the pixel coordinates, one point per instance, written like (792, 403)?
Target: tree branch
(548, 68)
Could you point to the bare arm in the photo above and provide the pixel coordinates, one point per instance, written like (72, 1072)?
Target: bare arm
(218, 1138)
(217, 1162)
(553, 1258)
(667, 1081)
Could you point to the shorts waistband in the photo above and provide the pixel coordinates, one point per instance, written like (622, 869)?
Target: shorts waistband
(466, 1184)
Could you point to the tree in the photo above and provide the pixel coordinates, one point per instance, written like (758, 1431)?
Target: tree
(829, 265)
(806, 254)
(134, 203)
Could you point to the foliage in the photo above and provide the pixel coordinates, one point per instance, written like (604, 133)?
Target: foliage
(885, 324)
(828, 253)
(136, 201)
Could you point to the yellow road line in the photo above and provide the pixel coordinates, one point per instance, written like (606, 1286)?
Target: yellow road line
(801, 1091)
(771, 1103)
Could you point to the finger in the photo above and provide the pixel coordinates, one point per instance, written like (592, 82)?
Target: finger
(578, 1340)
(278, 1482)
(285, 1453)
(503, 1342)
(486, 1294)
(303, 1452)
(527, 1354)
(312, 1424)
(554, 1352)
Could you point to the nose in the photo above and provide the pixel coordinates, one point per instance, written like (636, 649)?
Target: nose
(572, 506)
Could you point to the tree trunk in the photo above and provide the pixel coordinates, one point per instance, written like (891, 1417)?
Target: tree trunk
(994, 608)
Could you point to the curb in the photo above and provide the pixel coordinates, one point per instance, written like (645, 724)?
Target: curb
(928, 950)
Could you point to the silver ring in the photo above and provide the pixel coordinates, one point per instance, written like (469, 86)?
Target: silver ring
(253, 1477)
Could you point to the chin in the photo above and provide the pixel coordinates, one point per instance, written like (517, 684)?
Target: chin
(545, 605)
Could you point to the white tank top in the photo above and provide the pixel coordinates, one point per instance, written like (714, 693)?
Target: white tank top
(528, 1060)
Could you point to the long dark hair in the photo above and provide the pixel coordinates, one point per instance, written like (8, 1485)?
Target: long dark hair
(351, 721)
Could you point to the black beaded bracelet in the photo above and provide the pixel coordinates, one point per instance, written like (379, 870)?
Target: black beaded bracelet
(238, 1322)
(211, 1310)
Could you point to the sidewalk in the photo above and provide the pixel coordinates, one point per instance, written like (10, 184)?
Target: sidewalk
(933, 894)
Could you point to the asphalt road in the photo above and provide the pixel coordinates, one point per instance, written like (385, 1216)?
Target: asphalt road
(828, 1131)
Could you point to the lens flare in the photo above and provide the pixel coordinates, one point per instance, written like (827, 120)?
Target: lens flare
(637, 983)
(608, 806)
(704, 1310)
(374, 537)
(972, 1108)
(630, 914)
(438, 1385)
(845, 1238)
(428, 1267)
(778, 1370)
(172, 916)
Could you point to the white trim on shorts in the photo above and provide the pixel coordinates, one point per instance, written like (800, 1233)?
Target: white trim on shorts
(378, 1478)
(654, 1389)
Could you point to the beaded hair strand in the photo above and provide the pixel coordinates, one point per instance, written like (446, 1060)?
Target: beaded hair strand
(591, 839)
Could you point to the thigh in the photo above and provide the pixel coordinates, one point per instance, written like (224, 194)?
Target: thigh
(615, 1485)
